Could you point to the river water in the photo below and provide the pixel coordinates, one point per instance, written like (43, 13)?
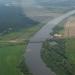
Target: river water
(33, 55)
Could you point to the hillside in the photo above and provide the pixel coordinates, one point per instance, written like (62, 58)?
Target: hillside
(12, 19)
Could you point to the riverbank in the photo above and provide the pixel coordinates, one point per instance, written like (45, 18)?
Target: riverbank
(12, 49)
(57, 52)
(33, 58)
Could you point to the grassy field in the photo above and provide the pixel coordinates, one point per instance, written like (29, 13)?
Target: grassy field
(10, 58)
(70, 49)
(12, 61)
(12, 48)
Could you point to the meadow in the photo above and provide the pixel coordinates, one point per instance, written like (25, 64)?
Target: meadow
(10, 56)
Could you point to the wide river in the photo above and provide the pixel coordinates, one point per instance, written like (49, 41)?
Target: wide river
(33, 55)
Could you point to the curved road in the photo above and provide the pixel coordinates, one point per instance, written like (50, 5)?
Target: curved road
(33, 58)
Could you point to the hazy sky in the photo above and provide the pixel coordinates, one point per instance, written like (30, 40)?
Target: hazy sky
(32, 2)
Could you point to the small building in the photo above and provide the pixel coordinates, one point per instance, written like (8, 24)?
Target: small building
(58, 36)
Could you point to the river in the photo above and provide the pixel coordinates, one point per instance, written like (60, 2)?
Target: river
(33, 55)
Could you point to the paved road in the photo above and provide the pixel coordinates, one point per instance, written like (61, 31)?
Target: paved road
(33, 58)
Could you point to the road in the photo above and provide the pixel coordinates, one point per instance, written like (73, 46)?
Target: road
(33, 55)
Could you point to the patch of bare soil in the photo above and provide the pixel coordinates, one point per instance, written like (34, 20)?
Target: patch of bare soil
(70, 28)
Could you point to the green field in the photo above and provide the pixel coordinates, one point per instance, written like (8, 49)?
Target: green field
(12, 61)
(10, 58)
(70, 49)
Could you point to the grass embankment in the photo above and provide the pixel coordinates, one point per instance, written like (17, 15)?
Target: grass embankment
(59, 54)
(12, 48)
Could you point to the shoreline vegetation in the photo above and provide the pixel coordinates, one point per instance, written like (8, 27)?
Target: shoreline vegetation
(12, 51)
(57, 52)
